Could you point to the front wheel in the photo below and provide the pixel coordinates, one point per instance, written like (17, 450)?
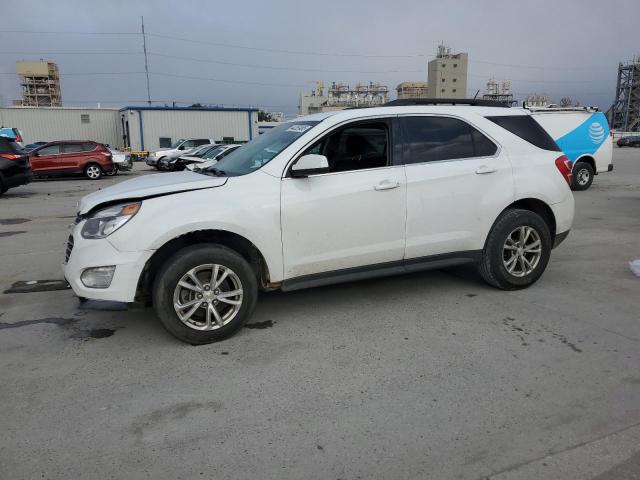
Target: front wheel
(517, 250)
(93, 171)
(112, 172)
(582, 176)
(204, 293)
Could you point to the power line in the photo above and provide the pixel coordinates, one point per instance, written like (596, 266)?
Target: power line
(73, 74)
(220, 80)
(72, 53)
(51, 32)
(292, 52)
(271, 67)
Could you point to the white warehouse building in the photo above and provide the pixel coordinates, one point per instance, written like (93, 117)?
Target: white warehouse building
(139, 128)
(149, 128)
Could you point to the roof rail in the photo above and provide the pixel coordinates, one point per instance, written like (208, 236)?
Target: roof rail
(475, 102)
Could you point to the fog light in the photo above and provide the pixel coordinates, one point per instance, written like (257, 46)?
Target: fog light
(98, 277)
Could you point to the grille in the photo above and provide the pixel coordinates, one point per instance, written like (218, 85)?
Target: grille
(67, 253)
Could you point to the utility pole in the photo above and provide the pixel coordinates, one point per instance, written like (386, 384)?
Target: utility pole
(146, 63)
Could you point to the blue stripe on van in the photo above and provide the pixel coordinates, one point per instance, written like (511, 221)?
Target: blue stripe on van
(586, 138)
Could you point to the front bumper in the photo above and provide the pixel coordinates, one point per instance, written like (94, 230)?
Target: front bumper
(151, 161)
(83, 254)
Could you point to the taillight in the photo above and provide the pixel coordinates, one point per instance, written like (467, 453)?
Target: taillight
(564, 165)
(10, 156)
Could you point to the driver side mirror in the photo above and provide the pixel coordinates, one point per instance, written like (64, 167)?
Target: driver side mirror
(310, 165)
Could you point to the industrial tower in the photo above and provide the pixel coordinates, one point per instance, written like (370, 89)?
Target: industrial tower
(626, 108)
(40, 82)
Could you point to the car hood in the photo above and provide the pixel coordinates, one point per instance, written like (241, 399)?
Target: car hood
(153, 185)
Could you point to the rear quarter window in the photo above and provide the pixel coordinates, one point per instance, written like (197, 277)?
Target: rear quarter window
(525, 127)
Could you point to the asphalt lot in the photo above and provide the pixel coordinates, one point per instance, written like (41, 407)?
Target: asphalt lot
(429, 375)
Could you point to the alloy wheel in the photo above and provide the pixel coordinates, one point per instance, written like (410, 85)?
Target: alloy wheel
(522, 251)
(93, 172)
(208, 297)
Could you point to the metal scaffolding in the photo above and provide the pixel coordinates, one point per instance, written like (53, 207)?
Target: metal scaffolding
(40, 82)
(626, 108)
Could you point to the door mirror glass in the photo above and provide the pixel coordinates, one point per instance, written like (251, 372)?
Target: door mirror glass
(310, 164)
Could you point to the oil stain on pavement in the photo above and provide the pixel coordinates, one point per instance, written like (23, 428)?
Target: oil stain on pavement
(260, 325)
(13, 221)
(60, 321)
(31, 286)
(524, 334)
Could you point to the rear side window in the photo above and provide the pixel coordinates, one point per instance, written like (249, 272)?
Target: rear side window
(430, 139)
(88, 146)
(72, 147)
(525, 127)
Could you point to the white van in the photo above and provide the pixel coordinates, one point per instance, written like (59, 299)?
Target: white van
(583, 135)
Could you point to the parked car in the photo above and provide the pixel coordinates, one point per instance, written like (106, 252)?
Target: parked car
(33, 146)
(178, 146)
(632, 141)
(169, 161)
(15, 169)
(12, 134)
(184, 160)
(326, 198)
(92, 159)
(218, 155)
(121, 161)
(583, 135)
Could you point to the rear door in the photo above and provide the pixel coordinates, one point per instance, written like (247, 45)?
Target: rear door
(44, 159)
(458, 180)
(72, 157)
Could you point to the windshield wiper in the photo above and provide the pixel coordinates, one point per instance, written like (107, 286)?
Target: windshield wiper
(211, 171)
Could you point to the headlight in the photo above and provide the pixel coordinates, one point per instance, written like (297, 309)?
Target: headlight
(104, 222)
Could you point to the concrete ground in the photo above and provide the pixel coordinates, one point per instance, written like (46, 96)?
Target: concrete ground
(430, 375)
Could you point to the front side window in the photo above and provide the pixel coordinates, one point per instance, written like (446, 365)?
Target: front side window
(431, 139)
(357, 147)
(49, 150)
(177, 143)
(262, 149)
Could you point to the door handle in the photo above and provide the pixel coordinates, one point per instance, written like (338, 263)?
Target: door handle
(482, 169)
(386, 185)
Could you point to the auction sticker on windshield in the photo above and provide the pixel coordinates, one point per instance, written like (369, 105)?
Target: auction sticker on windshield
(299, 128)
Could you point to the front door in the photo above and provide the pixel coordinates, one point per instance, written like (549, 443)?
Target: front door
(351, 216)
(458, 181)
(44, 159)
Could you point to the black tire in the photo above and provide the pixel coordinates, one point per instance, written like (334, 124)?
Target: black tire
(2, 187)
(582, 176)
(91, 173)
(177, 266)
(158, 163)
(113, 172)
(492, 267)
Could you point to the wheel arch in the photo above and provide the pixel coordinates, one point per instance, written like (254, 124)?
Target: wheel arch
(537, 206)
(234, 241)
(586, 158)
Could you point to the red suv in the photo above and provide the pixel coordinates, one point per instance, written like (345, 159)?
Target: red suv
(59, 158)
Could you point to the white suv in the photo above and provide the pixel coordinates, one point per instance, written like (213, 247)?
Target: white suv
(327, 198)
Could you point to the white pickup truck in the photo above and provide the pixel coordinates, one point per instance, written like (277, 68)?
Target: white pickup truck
(583, 135)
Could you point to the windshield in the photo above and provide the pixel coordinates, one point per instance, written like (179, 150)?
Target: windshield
(177, 143)
(213, 151)
(261, 150)
(198, 150)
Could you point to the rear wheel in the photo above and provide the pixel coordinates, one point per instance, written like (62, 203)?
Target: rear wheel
(517, 250)
(204, 293)
(582, 176)
(93, 171)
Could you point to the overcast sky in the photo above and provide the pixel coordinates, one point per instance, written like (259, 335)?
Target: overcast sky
(561, 48)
